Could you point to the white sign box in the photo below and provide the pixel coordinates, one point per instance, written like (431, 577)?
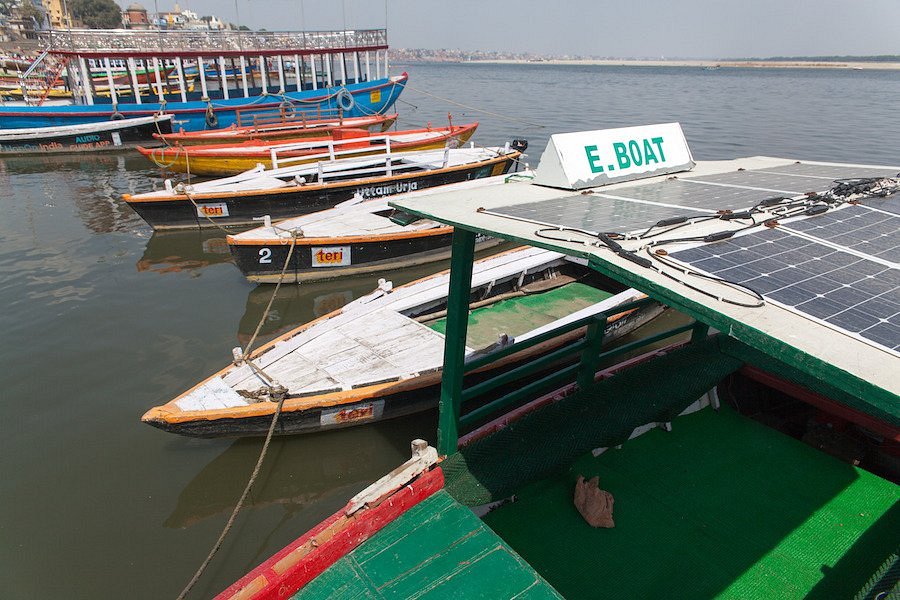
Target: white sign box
(586, 159)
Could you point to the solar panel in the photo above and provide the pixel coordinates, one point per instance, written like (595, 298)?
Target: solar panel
(849, 292)
(856, 227)
(831, 172)
(889, 204)
(776, 182)
(682, 192)
(593, 213)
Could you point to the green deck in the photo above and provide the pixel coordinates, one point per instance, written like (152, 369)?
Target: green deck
(437, 549)
(719, 507)
(516, 316)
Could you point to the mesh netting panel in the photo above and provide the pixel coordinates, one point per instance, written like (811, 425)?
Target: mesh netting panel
(603, 415)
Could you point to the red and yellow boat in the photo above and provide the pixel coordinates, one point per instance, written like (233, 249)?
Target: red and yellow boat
(282, 129)
(219, 160)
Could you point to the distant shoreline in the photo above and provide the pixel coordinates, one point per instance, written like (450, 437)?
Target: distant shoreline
(704, 64)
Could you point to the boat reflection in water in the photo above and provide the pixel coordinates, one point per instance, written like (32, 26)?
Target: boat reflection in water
(179, 251)
(299, 472)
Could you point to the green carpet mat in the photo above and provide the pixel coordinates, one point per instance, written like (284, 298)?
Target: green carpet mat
(719, 507)
(516, 316)
(437, 549)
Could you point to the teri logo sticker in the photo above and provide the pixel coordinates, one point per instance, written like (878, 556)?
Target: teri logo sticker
(331, 256)
(219, 209)
(364, 411)
(375, 96)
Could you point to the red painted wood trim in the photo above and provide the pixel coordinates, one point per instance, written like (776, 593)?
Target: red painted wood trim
(225, 53)
(819, 401)
(367, 523)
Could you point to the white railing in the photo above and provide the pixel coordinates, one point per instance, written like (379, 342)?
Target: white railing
(328, 159)
(124, 41)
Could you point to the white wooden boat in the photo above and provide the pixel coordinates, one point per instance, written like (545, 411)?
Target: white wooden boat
(354, 238)
(297, 189)
(380, 356)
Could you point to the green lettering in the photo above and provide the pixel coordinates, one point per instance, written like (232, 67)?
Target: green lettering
(635, 150)
(621, 155)
(593, 159)
(658, 141)
(649, 155)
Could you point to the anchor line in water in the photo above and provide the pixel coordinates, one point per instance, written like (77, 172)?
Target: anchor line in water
(275, 391)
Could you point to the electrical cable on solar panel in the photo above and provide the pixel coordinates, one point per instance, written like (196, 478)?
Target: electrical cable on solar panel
(543, 233)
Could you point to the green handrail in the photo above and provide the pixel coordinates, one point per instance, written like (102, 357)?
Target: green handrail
(584, 370)
(525, 370)
(481, 361)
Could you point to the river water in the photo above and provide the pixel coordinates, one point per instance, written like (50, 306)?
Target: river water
(101, 320)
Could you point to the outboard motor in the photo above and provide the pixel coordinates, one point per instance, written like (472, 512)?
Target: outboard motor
(520, 145)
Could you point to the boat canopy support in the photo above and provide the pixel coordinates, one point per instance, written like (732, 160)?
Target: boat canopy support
(587, 353)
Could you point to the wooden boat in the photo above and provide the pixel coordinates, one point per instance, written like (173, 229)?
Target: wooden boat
(92, 137)
(379, 356)
(343, 71)
(220, 160)
(306, 188)
(283, 127)
(340, 243)
(354, 238)
(695, 498)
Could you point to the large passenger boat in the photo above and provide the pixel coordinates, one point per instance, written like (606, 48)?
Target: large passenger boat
(344, 72)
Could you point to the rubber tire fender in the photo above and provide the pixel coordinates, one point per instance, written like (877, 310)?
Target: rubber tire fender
(212, 121)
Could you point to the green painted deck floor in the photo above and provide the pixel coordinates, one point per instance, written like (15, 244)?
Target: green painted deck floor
(719, 507)
(437, 549)
(516, 316)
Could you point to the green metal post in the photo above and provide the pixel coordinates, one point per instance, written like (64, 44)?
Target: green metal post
(590, 356)
(455, 339)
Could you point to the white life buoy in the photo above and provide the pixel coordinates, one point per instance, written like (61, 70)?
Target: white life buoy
(344, 100)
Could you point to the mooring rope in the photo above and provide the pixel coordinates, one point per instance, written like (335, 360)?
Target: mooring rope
(275, 391)
(240, 502)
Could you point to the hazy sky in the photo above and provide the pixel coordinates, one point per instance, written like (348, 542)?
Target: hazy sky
(640, 28)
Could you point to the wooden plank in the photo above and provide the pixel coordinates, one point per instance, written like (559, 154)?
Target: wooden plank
(214, 394)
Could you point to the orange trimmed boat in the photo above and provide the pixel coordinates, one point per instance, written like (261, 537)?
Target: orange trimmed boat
(379, 357)
(217, 160)
(282, 129)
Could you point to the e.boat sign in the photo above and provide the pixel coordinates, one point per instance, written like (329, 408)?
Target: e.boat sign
(586, 159)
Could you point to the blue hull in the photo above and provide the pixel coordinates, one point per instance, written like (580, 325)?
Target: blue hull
(369, 98)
